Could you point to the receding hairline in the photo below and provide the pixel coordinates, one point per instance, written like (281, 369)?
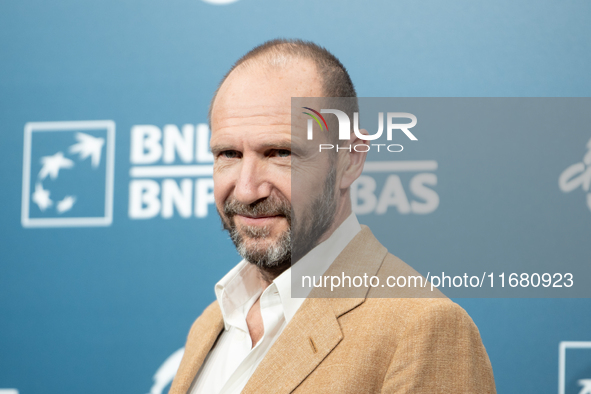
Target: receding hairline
(267, 66)
(280, 53)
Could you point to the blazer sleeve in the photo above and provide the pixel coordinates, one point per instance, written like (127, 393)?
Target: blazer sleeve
(440, 352)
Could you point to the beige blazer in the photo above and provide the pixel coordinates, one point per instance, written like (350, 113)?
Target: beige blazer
(363, 344)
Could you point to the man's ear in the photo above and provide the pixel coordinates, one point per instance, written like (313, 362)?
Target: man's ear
(354, 165)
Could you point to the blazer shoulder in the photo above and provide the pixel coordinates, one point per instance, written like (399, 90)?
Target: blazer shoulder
(408, 293)
(439, 350)
(399, 280)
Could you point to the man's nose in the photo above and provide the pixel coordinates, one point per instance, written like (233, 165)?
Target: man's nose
(252, 183)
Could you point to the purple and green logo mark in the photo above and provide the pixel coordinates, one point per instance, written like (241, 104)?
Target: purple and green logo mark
(316, 118)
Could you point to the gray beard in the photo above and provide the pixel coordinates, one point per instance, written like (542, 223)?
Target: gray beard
(293, 243)
(270, 257)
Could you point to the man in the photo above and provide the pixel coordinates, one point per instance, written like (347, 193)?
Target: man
(283, 202)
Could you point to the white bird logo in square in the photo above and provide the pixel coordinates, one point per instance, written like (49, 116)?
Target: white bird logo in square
(67, 186)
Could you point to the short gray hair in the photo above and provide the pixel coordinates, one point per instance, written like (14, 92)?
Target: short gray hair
(336, 81)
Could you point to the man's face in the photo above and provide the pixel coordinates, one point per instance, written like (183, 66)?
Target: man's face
(254, 156)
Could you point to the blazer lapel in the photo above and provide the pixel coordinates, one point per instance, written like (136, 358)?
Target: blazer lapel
(314, 330)
(308, 338)
(202, 337)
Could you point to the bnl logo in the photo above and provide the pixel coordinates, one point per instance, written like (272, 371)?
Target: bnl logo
(68, 174)
(574, 370)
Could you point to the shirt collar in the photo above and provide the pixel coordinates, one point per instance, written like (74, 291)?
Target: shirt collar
(240, 288)
(235, 290)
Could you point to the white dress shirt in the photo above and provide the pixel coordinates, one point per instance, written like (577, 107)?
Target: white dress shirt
(232, 361)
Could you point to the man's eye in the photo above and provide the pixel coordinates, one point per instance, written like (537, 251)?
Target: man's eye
(229, 154)
(283, 153)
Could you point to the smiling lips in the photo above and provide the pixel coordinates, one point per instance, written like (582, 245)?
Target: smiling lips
(258, 220)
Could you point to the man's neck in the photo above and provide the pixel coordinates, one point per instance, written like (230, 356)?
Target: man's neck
(268, 274)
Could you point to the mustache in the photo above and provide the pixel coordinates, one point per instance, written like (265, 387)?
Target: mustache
(270, 206)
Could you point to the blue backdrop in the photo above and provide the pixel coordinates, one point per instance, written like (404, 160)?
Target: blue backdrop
(97, 305)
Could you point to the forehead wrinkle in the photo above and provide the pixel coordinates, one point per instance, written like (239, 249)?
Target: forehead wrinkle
(249, 120)
(232, 123)
(230, 110)
(229, 135)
